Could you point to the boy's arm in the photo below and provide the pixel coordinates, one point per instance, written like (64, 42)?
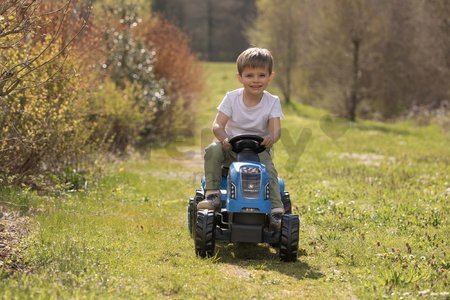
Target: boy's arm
(274, 126)
(219, 129)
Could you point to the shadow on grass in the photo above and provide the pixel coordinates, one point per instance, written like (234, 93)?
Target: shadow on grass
(380, 128)
(298, 112)
(263, 257)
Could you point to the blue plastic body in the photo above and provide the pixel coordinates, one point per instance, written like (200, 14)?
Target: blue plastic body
(281, 183)
(240, 203)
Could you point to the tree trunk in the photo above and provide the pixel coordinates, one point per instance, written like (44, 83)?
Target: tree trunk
(210, 29)
(354, 94)
(290, 56)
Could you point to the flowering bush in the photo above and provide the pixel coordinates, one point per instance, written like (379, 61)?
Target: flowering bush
(114, 87)
(181, 71)
(117, 117)
(43, 126)
(153, 59)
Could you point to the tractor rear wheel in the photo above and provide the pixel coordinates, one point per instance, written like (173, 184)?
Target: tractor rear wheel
(290, 225)
(192, 213)
(204, 233)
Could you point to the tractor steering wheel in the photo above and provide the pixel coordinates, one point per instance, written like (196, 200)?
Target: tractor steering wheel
(247, 141)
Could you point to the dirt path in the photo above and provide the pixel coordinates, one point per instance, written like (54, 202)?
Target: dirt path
(13, 227)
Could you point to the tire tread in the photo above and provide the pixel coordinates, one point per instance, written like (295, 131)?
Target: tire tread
(204, 234)
(289, 239)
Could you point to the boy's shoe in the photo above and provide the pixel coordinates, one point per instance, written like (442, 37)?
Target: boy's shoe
(212, 202)
(275, 221)
(275, 218)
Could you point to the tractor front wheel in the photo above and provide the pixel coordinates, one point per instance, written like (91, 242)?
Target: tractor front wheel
(204, 233)
(286, 199)
(290, 225)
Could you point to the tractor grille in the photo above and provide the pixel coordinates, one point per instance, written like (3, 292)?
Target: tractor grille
(251, 185)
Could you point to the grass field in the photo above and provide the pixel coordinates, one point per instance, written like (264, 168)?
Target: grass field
(373, 201)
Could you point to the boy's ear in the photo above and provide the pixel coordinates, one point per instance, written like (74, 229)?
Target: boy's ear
(239, 77)
(272, 76)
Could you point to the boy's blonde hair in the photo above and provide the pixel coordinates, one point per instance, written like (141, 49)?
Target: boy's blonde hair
(254, 58)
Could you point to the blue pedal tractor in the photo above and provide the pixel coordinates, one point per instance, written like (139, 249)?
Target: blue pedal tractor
(245, 207)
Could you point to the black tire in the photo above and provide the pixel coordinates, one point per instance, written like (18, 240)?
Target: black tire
(290, 226)
(199, 196)
(191, 216)
(204, 234)
(286, 199)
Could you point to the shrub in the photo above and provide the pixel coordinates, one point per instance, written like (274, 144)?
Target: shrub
(182, 72)
(153, 60)
(118, 119)
(43, 127)
(119, 87)
(129, 64)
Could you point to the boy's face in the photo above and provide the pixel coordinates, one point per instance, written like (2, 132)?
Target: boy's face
(255, 80)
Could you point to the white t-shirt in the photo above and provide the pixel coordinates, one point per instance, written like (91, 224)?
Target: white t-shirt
(249, 120)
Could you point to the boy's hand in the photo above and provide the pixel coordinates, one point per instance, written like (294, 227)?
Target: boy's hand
(226, 145)
(268, 141)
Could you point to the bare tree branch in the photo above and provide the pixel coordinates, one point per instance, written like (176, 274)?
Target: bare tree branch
(12, 76)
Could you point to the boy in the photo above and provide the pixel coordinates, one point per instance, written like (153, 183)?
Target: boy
(248, 110)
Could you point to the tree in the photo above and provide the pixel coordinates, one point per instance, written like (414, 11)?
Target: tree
(433, 55)
(395, 69)
(216, 28)
(181, 71)
(341, 54)
(20, 22)
(279, 28)
(412, 69)
(129, 63)
(43, 129)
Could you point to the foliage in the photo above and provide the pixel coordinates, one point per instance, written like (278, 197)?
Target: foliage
(153, 58)
(373, 59)
(130, 63)
(117, 116)
(373, 205)
(282, 35)
(140, 7)
(213, 36)
(182, 73)
(17, 19)
(353, 29)
(411, 69)
(43, 129)
(61, 104)
(21, 23)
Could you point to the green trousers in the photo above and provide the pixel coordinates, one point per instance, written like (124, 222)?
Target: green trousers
(216, 156)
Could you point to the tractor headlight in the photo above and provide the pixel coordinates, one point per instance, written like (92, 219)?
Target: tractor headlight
(267, 192)
(232, 191)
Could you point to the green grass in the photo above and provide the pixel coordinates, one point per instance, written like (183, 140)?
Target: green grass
(373, 201)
